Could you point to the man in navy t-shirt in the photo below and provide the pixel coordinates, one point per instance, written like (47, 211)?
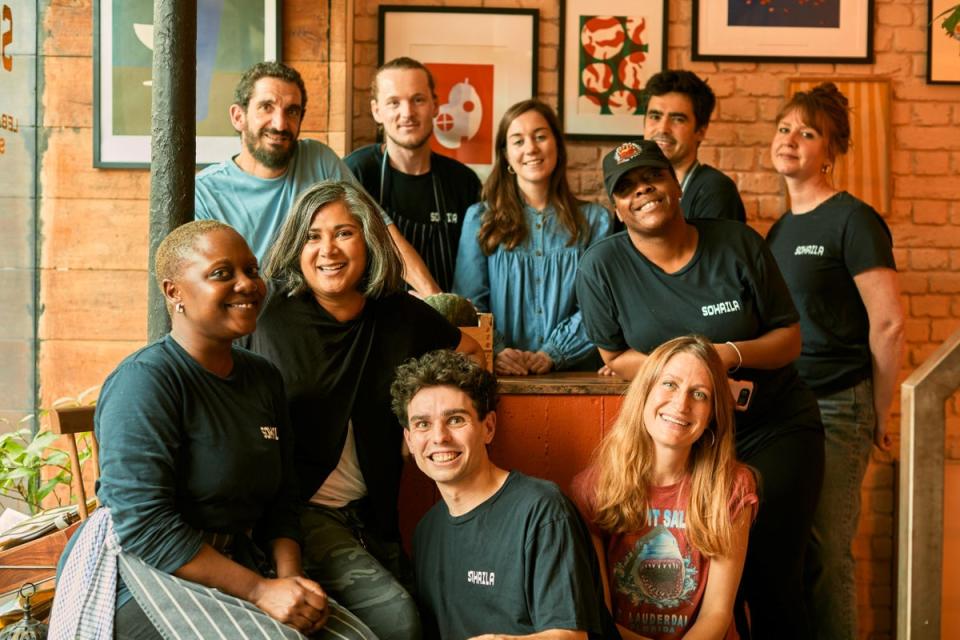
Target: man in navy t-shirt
(502, 553)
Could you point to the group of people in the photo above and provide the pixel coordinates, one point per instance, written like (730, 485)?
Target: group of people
(251, 459)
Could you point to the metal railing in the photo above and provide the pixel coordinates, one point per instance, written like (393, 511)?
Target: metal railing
(923, 397)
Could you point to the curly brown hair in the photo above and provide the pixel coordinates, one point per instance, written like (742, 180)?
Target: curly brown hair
(443, 368)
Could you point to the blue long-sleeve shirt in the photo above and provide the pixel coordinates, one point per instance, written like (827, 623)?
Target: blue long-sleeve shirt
(530, 290)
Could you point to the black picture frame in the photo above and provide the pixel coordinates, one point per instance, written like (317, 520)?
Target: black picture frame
(122, 141)
(786, 37)
(593, 115)
(943, 42)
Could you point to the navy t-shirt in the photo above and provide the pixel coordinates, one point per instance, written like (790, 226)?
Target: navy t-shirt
(710, 193)
(519, 563)
(731, 289)
(819, 253)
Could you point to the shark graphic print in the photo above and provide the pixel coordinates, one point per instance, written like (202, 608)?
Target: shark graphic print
(657, 576)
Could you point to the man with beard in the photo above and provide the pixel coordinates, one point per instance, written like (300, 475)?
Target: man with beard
(254, 190)
(424, 192)
(678, 114)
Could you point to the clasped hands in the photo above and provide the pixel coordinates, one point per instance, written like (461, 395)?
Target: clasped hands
(296, 601)
(515, 362)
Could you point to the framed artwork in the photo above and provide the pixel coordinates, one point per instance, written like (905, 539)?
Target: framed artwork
(608, 51)
(232, 35)
(783, 30)
(943, 42)
(864, 170)
(482, 60)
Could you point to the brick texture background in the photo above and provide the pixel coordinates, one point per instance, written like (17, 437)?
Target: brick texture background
(94, 222)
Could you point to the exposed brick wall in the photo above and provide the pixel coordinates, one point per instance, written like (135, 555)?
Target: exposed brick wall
(93, 279)
(924, 215)
(94, 222)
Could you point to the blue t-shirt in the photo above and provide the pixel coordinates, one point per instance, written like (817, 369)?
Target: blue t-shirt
(530, 289)
(257, 207)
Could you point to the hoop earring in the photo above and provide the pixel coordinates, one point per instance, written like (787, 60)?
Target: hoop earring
(179, 307)
(713, 438)
(511, 171)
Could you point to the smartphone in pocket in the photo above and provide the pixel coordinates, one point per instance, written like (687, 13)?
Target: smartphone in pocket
(742, 391)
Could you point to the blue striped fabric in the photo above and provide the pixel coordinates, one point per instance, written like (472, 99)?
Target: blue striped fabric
(87, 587)
(179, 609)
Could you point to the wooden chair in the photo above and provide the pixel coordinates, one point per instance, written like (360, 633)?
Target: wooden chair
(36, 561)
(69, 421)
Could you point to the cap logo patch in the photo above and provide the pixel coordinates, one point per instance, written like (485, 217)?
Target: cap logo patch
(626, 152)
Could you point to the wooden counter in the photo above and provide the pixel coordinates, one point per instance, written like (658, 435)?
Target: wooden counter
(547, 426)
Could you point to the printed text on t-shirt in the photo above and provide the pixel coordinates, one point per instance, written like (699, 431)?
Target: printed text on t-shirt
(483, 578)
(728, 306)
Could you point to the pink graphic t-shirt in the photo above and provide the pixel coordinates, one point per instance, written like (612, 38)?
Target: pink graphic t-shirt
(657, 578)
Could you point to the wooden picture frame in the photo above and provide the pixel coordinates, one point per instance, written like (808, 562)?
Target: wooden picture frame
(943, 42)
(608, 51)
(832, 31)
(246, 32)
(482, 60)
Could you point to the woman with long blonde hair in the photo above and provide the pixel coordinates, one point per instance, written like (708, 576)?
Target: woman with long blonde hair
(668, 505)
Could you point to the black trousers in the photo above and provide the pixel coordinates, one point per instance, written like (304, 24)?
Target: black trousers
(791, 475)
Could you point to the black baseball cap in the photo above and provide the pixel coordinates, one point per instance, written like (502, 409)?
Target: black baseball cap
(629, 156)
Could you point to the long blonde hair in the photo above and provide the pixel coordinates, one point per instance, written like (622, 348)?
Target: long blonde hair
(624, 461)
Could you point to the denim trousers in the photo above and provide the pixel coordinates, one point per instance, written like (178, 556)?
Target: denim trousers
(360, 570)
(849, 422)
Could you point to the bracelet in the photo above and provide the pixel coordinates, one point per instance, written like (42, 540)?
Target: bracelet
(739, 357)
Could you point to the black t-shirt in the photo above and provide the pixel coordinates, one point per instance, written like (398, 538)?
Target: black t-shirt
(730, 290)
(519, 563)
(339, 371)
(819, 253)
(428, 209)
(711, 194)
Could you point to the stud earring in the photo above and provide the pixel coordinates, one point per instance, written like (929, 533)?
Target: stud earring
(179, 307)
(825, 168)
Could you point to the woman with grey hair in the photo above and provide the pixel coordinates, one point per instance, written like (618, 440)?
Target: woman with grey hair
(336, 324)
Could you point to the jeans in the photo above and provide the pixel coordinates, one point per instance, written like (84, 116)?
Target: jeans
(849, 421)
(359, 570)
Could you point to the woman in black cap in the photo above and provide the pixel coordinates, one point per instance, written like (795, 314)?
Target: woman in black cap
(664, 277)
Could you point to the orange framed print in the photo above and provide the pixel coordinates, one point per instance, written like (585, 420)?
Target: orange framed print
(482, 60)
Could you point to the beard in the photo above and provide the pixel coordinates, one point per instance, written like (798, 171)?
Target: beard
(262, 153)
(414, 144)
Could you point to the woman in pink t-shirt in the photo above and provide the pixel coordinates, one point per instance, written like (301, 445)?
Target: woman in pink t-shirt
(668, 505)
